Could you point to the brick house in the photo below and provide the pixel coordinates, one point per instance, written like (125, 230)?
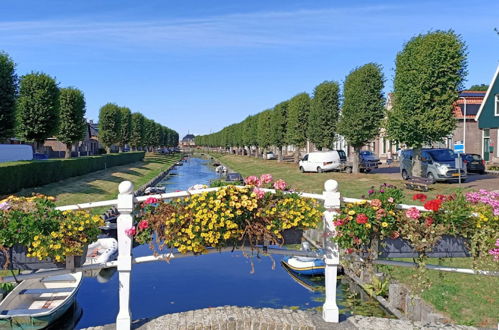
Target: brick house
(88, 146)
(487, 119)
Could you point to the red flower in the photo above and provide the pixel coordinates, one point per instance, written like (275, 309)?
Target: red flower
(428, 222)
(441, 197)
(143, 224)
(362, 219)
(151, 200)
(349, 250)
(433, 205)
(419, 197)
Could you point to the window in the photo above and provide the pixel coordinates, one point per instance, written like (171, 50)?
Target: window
(496, 105)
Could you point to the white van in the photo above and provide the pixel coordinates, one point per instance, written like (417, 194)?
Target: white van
(15, 152)
(322, 161)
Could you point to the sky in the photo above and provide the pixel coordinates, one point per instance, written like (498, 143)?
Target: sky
(198, 66)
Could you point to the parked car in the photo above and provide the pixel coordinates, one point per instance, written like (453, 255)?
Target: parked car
(234, 177)
(368, 161)
(322, 161)
(270, 155)
(474, 163)
(437, 165)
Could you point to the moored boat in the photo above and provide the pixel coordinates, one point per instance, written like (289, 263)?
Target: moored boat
(305, 265)
(37, 303)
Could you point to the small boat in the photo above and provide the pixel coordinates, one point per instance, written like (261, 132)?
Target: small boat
(154, 190)
(311, 283)
(37, 303)
(101, 251)
(305, 265)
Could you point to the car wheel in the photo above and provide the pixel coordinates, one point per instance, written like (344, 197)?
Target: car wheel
(302, 169)
(482, 172)
(367, 170)
(431, 177)
(405, 176)
(319, 170)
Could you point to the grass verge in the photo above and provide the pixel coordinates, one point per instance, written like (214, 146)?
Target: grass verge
(466, 299)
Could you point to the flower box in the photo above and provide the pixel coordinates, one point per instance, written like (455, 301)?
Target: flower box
(19, 261)
(447, 247)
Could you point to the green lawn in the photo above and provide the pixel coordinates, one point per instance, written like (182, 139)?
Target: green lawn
(466, 299)
(350, 185)
(103, 185)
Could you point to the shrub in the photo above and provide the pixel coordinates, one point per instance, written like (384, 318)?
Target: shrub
(36, 173)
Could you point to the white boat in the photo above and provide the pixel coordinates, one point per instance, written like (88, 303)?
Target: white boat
(101, 251)
(36, 303)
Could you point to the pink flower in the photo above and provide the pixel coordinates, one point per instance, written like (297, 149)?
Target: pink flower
(143, 224)
(391, 200)
(265, 178)
(151, 200)
(253, 181)
(428, 222)
(131, 231)
(280, 184)
(362, 219)
(413, 213)
(376, 203)
(259, 193)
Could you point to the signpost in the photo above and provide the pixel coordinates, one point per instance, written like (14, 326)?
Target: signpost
(459, 148)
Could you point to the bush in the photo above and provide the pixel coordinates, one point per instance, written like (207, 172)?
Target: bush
(19, 175)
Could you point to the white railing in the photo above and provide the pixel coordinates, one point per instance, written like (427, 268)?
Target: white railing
(126, 202)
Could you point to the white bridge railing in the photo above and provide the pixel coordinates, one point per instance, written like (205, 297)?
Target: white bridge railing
(126, 202)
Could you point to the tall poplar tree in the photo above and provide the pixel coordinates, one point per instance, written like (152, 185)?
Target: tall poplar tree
(109, 125)
(137, 134)
(296, 130)
(363, 107)
(125, 127)
(264, 133)
(249, 132)
(324, 114)
(37, 108)
(429, 72)
(72, 118)
(278, 123)
(8, 93)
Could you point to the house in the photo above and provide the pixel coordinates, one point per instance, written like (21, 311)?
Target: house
(467, 132)
(87, 147)
(188, 141)
(487, 119)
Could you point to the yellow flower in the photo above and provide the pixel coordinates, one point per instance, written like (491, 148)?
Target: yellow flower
(368, 225)
(351, 212)
(384, 224)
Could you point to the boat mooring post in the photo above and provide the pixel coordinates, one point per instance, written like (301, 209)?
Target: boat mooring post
(332, 204)
(124, 222)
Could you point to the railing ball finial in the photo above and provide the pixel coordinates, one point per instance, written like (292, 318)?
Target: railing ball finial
(331, 185)
(126, 187)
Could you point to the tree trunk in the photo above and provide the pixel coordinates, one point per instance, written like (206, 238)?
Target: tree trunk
(355, 160)
(417, 168)
(257, 152)
(279, 154)
(120, 148)
(68, 151)
(264, 153)
(108, 150)
(297, 155)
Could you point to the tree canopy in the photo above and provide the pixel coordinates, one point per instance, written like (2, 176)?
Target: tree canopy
(8, 93)
(72, 117)
(324, 114)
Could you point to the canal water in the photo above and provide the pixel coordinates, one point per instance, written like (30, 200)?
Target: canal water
(184, 284)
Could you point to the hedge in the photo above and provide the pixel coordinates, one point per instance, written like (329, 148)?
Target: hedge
(24, 174)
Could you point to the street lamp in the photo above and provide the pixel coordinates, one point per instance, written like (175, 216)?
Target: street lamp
(464, 125)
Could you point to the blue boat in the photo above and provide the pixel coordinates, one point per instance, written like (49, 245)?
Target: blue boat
(305, 265)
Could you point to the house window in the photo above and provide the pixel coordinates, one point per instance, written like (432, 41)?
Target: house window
(497, 105)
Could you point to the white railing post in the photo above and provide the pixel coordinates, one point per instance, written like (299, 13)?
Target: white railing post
(332, 203)
(124, 222)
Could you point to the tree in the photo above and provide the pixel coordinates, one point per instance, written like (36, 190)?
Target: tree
(481, 87)
(264, 139)
(137, 134)
(429, 72)
(278, 125)
(109, 125)
(324, 114)
(125, 127)
(8, 93)
(296, 130)
(249, 133)
(363, 107)
(37, 108)
(72, 118)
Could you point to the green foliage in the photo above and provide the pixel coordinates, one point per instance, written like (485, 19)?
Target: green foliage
(8, 92)
(429, 72)
(363, 106)
(36, 173)
(298, 110)
(126, 126)
(377, 287)
(324, 114)
(109, 125)
(264, 133)
(37, 107)
(278, 124)
(72, 116)
(481, 87)
(137, 136)
(250, 131)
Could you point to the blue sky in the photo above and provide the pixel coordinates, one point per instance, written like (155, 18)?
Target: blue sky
(199, 66)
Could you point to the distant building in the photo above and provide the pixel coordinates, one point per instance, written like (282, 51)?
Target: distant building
(488, 121)
(188, 141)
(87, 147)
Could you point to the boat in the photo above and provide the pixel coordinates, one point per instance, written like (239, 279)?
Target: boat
(305, 265)
(102, 251)
(311, 283)
(154, 190)
(37, 303)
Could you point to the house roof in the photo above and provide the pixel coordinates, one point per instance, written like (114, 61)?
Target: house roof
(188, 137)
(491, 85)
(473, 102)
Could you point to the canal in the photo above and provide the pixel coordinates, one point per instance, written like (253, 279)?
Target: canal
(203, 281)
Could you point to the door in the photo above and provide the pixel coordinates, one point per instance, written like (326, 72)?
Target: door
(486, 148)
